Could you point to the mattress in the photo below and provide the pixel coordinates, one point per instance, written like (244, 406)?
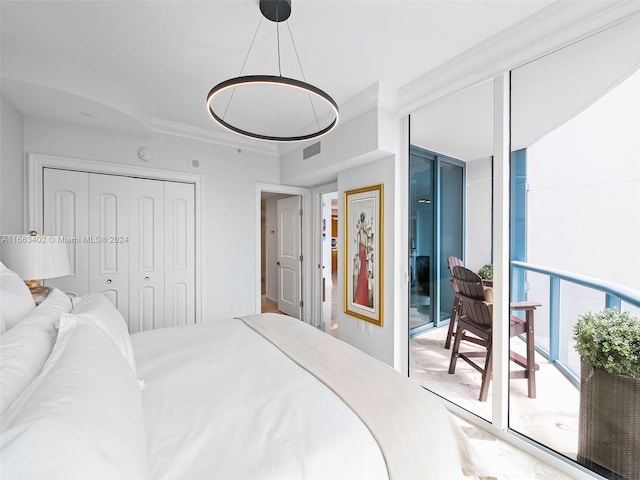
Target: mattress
(269, 397)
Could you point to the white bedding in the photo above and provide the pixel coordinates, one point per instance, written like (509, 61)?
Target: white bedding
(223, 402)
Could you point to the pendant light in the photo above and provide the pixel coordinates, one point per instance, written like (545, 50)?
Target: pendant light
(276, 11)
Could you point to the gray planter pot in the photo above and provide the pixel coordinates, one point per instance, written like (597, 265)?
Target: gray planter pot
(609, 427)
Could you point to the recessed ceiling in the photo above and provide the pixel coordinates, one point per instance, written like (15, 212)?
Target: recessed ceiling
(120, 64)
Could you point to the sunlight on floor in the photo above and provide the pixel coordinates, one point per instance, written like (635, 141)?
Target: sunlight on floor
(504, 461)
(550, 419)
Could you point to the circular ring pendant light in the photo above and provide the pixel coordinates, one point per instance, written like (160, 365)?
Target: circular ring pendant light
(276, 11)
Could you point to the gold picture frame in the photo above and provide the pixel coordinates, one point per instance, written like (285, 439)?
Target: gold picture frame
(363, 253)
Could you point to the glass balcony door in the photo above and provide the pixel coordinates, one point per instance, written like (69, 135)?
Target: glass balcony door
(451, 181)
(436, 220)
(421, 240)
(450, 211)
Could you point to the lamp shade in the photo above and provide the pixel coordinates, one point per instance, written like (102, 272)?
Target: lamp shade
(35, 257)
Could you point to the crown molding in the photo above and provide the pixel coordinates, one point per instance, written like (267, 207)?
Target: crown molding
(372, 96)
(168, 127)
(553, 27)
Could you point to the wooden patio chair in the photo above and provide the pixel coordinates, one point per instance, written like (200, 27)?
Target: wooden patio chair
(475, 325)
(453, 262)
(457, 306)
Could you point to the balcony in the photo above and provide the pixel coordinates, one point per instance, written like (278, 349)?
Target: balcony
(551, 418)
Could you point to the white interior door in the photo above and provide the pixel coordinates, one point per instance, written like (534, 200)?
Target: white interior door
(179, 267)
(109, 230)
(66, 213)
(146, 255)
(131, 239)
(289, 247)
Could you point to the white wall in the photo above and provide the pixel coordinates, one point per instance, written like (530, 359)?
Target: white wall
(356, 142)
(12, 169)
(582, 206)
(381, 342)
(228, 183)
(584, 191)
(478, 214)
(228, 217)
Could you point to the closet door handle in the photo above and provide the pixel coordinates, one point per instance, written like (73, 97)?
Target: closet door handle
(146, 278)
(108, 280)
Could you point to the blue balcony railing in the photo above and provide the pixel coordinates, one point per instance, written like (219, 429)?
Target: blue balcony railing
(614, 295)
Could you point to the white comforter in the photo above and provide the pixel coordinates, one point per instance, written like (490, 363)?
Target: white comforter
(222, 402)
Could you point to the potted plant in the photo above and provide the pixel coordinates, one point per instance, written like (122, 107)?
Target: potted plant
(609, 424)
(486, 274)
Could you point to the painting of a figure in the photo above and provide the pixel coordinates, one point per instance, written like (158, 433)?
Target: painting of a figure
(363, 262)
(363, 298)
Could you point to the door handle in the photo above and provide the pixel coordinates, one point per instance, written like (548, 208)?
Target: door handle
(108, 280)
(278, 263)
(146, 278)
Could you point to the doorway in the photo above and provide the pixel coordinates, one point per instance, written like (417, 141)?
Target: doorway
(306, 284)
(281, 254)
(329, 262)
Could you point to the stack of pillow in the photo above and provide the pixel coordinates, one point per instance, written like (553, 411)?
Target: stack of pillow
(70, 401)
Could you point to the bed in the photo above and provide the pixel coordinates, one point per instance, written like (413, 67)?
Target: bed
(258, 397)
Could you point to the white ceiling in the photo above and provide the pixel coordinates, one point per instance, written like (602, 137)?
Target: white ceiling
(545, 94)
(128, 65)
(139, 66)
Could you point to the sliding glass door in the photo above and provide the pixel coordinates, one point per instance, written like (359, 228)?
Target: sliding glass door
(435, 224)
(450, 206)
(421, 240)
(450, 212)
(575, 195)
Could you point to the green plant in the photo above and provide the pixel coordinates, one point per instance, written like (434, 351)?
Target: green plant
(486, 272)
(609, 340)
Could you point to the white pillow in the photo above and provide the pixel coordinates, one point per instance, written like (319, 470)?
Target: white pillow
(25, 348)
(16, 301)
(96, 308)
(23, 351)
(47, 314)
(81, 418)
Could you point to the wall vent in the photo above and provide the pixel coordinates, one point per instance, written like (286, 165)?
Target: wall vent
(311, 150)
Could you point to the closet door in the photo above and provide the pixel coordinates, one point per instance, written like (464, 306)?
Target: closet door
(109, 230)
(131, 239)
(179, 253)
(146, 255)
(66, 212)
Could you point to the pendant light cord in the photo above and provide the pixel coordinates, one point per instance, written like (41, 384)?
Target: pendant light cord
(278, 36)
(315, 114)
(295, 49)
(246, 57)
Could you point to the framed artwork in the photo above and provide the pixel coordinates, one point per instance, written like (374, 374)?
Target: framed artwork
(363, 283)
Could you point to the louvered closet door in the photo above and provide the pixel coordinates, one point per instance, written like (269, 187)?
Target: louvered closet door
(66, 212)
(179, 253)
(109, 230)
(146, 255)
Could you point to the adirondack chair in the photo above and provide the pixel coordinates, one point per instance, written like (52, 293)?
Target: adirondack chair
(453, 262)
(457, 306)
(475, 325)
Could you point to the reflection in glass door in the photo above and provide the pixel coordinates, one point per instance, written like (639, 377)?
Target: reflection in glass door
(435, 232)
(421, 234)
(450, 231)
